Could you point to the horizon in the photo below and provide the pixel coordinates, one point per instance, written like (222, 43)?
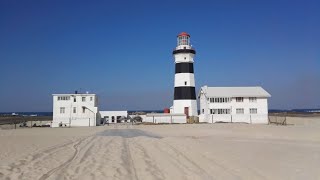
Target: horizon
(123, 51)
(156, 110)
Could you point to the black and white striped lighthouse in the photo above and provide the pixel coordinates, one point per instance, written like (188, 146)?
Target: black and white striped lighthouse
(184, 83)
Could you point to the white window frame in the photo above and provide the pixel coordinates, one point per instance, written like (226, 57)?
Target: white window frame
(83, 98)
(239, 99)
(239, 111)
(253, 111)
(252, 99)
(62, 110)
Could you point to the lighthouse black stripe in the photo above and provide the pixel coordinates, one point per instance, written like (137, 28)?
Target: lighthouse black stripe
(184, 68)
(184, 51)
(184, 93)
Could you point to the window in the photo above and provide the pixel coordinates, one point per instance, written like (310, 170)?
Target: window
(185, 83)
(219, 111)
(253, 110)
(62, 110)
(74, 110)
(74, 99)
(220, 100)
(240, 111)
(83, 110)
(185, 58)
(252, 99)
(63, 98)
(239, 99)
(202, 111)
(83, 99)
(91, 98)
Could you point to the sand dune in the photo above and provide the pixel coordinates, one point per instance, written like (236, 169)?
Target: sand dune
(202, 151)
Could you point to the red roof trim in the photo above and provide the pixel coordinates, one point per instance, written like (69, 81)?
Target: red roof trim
(184, 34)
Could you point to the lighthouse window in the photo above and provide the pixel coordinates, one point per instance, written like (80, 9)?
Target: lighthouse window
(185, 57)
(185, 83)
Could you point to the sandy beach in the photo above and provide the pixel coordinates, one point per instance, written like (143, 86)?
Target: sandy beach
(189, 151)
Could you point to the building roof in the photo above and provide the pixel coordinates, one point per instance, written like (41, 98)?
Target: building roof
(256, 91)
(79, 94)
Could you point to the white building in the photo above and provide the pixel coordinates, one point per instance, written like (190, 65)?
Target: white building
(75, 110)
(233, 104)
(114, 116)
(185, 101)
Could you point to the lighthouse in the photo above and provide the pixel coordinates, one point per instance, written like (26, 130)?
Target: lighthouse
(184, 84)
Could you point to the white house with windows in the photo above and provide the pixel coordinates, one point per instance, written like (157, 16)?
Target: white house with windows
(75, 110)
(233, 104)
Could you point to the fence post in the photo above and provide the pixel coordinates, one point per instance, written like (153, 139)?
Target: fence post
(285, 120)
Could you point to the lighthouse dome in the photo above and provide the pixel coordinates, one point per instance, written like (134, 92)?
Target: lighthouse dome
(183, 34)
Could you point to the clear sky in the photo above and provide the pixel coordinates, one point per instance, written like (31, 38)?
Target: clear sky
(122, 50)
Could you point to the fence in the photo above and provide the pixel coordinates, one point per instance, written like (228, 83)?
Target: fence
(278, 118)
(25, 122)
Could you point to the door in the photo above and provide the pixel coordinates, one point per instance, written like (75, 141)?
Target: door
(186, 111)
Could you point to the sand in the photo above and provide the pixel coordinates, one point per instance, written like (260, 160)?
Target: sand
(190, 151)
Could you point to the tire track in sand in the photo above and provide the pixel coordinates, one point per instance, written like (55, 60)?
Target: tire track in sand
(126, 157)
(183, 160)
(76, 151)
(21, 168)
(86, 161)
(150, 164)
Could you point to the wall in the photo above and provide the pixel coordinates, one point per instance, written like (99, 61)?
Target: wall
(204, 111)
(178, 107)
(165, 118)
(110, 114)
(78, 118)
(260, 118)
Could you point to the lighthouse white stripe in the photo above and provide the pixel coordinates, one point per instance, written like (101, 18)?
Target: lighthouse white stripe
(181, 78)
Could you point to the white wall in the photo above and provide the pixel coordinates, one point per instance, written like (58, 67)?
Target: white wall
(260, 118)
(204, 111)
(110, 114)
(179, 105)
(165, 118)
(77, 118)
(180, 78)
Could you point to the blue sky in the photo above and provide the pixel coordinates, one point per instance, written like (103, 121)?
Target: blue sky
(122, 50)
